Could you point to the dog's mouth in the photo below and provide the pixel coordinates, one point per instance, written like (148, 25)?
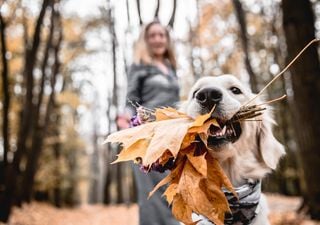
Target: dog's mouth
(228, 132)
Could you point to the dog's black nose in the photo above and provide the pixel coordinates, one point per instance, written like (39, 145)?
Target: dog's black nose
(209, 97)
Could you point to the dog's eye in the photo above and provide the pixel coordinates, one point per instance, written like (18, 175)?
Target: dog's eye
(235, 90)
(194, 93)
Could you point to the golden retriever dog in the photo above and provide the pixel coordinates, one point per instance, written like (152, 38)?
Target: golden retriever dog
(247, 150)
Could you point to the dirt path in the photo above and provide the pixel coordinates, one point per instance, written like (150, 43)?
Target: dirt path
(282, 211)
(44, 214)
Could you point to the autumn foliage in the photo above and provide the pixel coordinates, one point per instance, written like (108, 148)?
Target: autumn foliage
(196, 179)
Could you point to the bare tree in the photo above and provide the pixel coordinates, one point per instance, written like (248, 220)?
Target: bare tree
(298, 24)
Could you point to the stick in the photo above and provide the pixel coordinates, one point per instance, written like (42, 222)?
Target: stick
(284, 70)
(273, 100)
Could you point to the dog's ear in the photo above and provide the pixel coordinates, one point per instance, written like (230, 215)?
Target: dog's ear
(270, 148)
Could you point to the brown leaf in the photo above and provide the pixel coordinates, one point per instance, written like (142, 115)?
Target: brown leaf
(216, 174)
(168, 113)
(136, 150)
(181, 210)
(163, 135)
(188, 139)
(129, 136)
(199, 163)
(196, 198)
(174, 175)
(168, 135)
(203, 128)
(171, 192)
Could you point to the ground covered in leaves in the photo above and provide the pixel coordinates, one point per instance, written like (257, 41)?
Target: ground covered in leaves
(282, 213)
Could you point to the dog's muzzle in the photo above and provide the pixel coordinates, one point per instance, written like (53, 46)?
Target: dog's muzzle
(229, 132)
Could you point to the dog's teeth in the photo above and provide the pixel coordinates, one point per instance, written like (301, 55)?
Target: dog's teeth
(224, 130)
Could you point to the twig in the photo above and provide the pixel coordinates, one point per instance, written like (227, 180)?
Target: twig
(273, 100)
(284, 70)
(251, 120)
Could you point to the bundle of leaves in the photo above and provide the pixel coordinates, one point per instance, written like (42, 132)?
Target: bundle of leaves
(172, 140)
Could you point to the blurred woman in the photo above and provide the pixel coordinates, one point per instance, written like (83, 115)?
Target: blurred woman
(152, 82)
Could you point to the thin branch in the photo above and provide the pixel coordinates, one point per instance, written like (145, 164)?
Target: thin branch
(128, 13)
(273, 100)
(139, 12)
(173, 15)
(284, 70)
(156, 14)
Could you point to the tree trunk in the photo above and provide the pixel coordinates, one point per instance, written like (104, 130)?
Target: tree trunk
(6, 99)
(40, 132)
(57, 156)
(298, 23)
(240, 14)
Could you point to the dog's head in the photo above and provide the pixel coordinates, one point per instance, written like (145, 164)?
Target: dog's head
(228, 94)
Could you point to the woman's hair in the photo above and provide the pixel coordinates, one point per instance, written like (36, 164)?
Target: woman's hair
(143, 55)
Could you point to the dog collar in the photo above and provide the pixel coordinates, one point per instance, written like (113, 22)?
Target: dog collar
(245, 207)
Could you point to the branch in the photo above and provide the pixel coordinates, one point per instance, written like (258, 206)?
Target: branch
(156, 14)
(173, 15)
(139, 12)
(128, 13)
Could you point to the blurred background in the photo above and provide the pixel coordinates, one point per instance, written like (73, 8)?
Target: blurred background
(63, 81)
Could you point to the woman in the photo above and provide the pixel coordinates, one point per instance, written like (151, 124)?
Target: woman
(152, 82)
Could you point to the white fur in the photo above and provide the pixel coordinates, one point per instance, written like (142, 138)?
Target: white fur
(256, 152)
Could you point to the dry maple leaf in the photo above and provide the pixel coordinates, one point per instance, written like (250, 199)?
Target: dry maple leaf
(196, 180)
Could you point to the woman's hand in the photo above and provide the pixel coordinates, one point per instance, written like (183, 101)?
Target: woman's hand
(123, 121)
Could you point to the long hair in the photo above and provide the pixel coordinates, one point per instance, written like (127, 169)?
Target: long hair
(143, 55)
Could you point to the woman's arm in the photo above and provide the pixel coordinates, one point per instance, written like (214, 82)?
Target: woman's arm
(136, 76)
(135, 81)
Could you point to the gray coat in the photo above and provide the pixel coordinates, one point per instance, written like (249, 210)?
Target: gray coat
(148, 86)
